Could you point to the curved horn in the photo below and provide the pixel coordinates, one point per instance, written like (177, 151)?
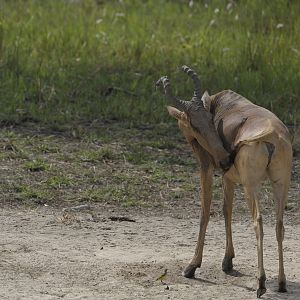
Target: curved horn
(180, 104)
(196, 80)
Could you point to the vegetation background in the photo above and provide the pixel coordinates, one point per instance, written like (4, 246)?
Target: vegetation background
(86, 142)
(65, 61)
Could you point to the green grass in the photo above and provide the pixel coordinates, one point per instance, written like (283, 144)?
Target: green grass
(64, 61)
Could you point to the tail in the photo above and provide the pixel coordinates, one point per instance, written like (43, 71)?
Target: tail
(254, 135)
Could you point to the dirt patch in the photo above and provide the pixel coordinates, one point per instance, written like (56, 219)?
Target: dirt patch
(46, 254)
(139, 198)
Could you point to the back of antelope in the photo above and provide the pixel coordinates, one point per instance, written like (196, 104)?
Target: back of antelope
(249, 144)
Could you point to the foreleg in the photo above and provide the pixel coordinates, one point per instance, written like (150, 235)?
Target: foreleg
(228, 191)
(206, 179)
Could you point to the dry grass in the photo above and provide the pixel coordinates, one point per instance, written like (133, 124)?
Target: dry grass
(113, 164)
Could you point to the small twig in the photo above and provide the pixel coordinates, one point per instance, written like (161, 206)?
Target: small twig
(121, 219)
(118, 89)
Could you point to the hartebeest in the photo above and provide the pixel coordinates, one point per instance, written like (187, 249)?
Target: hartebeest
(249, 143)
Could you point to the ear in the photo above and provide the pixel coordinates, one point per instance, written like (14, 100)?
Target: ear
(206, 101)
(174, 112)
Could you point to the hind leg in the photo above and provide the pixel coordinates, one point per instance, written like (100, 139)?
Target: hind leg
(251, 163)
(253, 203)
(280, 195)
(280, 178)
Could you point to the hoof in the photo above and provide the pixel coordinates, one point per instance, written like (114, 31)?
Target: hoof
(227, 266)
(260, 292)
(189, 271)
(282, 287)
(262, 286)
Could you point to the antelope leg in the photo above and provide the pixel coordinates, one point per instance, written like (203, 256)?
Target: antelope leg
(206, 178)
(228, 191)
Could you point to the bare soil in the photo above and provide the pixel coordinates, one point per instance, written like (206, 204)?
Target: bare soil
(122, 240)
(50, 254)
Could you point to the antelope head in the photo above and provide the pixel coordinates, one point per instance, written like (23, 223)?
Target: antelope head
(195, 119)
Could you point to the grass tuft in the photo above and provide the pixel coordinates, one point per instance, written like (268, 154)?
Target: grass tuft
(59, 181)
(27, 192)
(37, 165)
(97, 155)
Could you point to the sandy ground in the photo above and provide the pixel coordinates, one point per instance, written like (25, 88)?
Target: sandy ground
(48, 254)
